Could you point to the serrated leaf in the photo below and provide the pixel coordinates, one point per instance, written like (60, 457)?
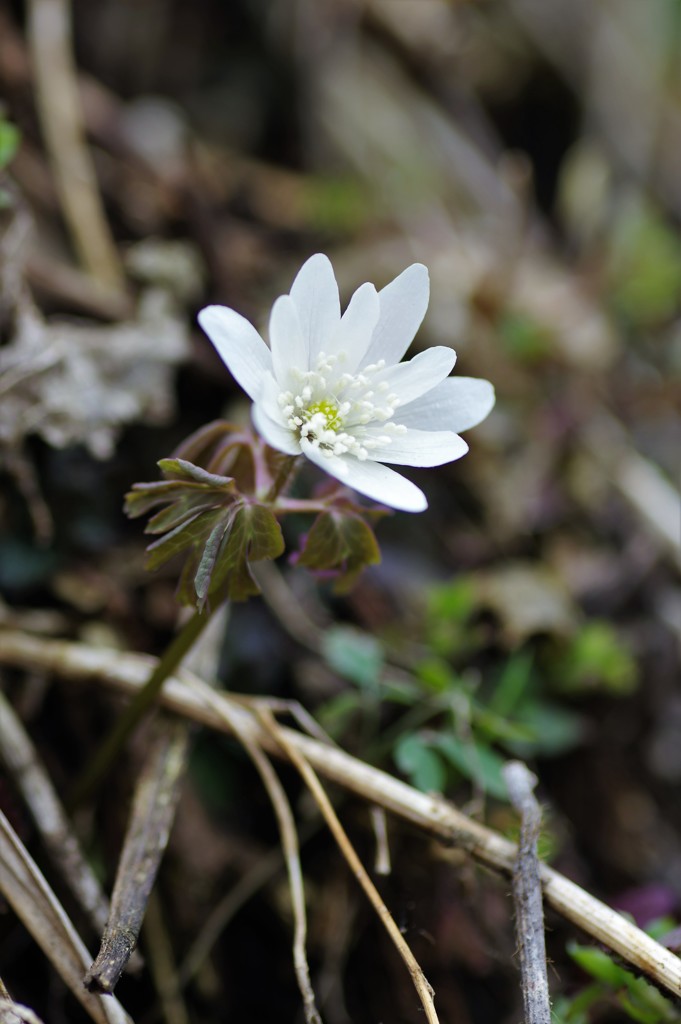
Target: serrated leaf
(187, 534)
(143, 497)
(343, 542)
(211, 550)
(179, 512)
(180, 469)
(254, 535)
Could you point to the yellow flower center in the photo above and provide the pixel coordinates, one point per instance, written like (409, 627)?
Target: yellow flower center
(329, 410)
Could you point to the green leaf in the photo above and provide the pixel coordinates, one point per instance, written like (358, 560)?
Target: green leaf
(204, 573)
(335, 714)
(143, 497)
(180, 469)
(645, 265)
(513, 684)
(355, 655)
(575, 1010)
(193, 532)
(204, 517)
(9, 142)
(550, 730)
(455, 600)
(340, 541)
(416, 759)
(254, 535)
(437, 675)
(637, 997)
(475, 761)
(180, 511)
(598, 658)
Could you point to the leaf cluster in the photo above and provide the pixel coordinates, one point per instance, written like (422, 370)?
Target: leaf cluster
(340, 543)
(219, 530)
(219, 505)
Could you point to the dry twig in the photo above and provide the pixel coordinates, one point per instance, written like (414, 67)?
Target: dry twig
(184, 695)
(312, 782)
(289, 843)
(61, 116)
(34, 903)
(527, 898)
(153, 810)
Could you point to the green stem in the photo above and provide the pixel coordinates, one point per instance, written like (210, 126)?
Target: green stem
(143, 702)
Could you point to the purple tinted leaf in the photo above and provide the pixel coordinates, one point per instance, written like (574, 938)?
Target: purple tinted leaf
(183, 470)
(343, 542)
(204, 573)
(187, 534)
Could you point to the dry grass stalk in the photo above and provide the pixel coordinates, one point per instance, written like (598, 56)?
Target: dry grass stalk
(61, 115)
(25, 889)
(312, 782)
(434, 815)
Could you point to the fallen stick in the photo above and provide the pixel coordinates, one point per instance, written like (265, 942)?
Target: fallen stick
(183, 694)
(527, 897)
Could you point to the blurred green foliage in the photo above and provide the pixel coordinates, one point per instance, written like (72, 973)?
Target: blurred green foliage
(451, 723)
(9, 142)
(645, 266)
(614, 988)
(596, 658)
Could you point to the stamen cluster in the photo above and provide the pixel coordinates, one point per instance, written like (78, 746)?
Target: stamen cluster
(331, 411)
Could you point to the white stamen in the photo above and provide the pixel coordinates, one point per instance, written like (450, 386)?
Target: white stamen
(331, 411)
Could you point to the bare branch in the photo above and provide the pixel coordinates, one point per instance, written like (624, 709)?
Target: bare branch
(527, 897)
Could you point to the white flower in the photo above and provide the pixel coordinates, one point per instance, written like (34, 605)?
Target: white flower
(333, 388)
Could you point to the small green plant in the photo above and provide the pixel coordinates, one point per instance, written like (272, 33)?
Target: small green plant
(613, 987)
(596, 659)
(9, 143)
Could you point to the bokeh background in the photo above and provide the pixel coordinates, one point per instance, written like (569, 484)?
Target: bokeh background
(529, 153)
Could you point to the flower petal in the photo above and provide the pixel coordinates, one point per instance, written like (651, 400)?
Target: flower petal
(276, 435)
(239, 345)
(289, 346)
(353, 335)
(420, 448)
(456, 404)
(315, 294)
(372, 479)
(419, 375)
(403, 306)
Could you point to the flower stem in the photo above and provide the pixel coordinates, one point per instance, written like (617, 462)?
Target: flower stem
(284, 476)
(144, 700)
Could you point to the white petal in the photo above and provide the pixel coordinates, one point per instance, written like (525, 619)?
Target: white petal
(372, 479)
(421, 448)
(289, 346)
(403, 306)
(315, 294)
(456, 404)
(276, 435)
(414, 378)
(357, 325)
(239, 345)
